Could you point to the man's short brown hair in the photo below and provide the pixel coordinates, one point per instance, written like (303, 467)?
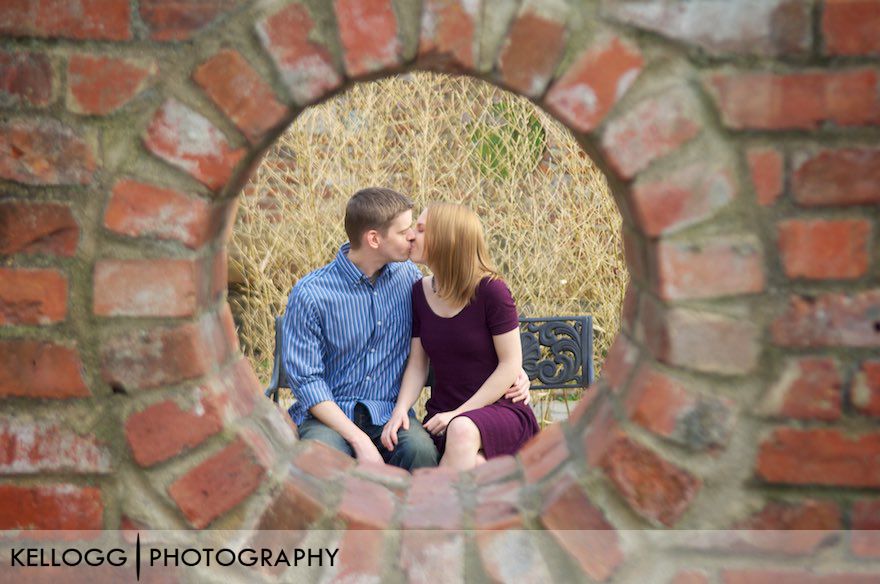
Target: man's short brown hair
(373, 208)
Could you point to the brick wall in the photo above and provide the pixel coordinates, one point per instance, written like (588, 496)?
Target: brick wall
(740, 139)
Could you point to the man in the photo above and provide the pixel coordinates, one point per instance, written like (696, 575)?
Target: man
(347, 337)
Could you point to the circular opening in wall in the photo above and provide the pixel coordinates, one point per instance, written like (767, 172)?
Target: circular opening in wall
(552, 227)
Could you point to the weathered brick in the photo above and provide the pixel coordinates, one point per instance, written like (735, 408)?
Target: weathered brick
(186, 139)
(138, 209)
(662, 405)
(544, 453)
(621, 358)
(766, 166)
(35, 445)
(709, 268)
(778, 576)
(849, 27)
(595, 81)
(25, 79)
(240, 92)
(100, 85)
(368, 31)
(296, 506)
(655, 489)
(40, 370)
(32, 296)
(821, 456)
(800, 528)
(650, 130)
(219, 483)
(824, 249)
(424, 552)
(494, 470)
(305, 66)
(831, 320)
(173, 20)
(866, 389)
(770, 27)
(108, 20)
(51, 506)
(432, 501)
(681, 198)
(581, 528)
(529, 56)
(600, 433)
(44, 152)
(513, 554)
(321, 461)
(497, 506)
(167, 287)
(37, 228)
(808, 388)
(807, 100)
(366, 505)
(448, 36)
(164, 430)
(865, 534)
(848, 176)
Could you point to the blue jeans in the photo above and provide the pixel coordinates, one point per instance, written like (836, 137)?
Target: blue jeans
(414, 449)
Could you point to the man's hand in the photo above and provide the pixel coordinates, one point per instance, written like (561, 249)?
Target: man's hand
(437, 424)
(397, 421)
(519, 391)
(366, 451)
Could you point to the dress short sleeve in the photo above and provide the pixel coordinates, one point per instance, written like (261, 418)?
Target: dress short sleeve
(501, 315)
(416, 321)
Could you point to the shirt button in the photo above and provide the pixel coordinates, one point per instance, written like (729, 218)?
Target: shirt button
(378, 323)
(372, 350)
(368, 378)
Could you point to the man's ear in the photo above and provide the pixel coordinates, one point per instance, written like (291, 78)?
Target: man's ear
(372, 239)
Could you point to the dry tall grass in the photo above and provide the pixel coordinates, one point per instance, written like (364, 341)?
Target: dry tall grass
(552, 226)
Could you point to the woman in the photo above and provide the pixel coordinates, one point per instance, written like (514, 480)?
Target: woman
(465, 321)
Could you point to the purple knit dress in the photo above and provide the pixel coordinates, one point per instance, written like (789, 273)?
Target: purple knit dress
(463, 357)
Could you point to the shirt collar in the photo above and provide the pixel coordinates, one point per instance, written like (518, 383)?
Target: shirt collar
(351, 272)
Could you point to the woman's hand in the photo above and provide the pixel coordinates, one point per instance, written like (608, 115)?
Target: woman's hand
(437, 424)
(397, 421)
(519, 391)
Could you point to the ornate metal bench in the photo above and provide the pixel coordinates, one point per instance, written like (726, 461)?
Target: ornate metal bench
(557, 353)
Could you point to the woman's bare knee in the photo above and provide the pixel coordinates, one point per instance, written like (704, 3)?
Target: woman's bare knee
(462, 431)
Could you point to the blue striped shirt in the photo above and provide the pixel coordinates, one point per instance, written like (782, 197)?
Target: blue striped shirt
(347, 339)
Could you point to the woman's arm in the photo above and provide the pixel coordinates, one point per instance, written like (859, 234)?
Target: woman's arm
(411, 385)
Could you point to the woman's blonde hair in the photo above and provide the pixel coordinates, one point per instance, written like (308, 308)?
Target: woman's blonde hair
(457, 252)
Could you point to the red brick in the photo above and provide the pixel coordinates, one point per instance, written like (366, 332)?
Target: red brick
(494, 470)
(432, 501)
(366, 505)
(321, 461)
(831, 320)
(107, 19)
(361, 557)
(497, 506)
(424, 553)
(37, 228)
(146, 288)
(174, 20)
(849, 176)
(529, 56)
(544, 453)
(148, 358)
(849, 27)
(823, 249)
(164, 430)
(219, 483)
(865, 535)
(866, 389)
(650, 130)
(38, 445)
(621, 358)
(44, 152)
(758, 576)
(771, 101)
(581, 528)
(662, 405)
(448, 34)
(32, 296)
(305, 66)
(240, 93)
(600, 433)
(710, 268)
(809, 388)
(820, 457)
(702, 341)
(25, 79)
(801, 528)
(682, 198)
(40, 370)
(496, 552)
(236, 391)
(597, 79)
(100, 85)
(141, 210)
(54, 506)
(295, 507)
(769, 28)
(766, 166)
(655, 489)
(187, 140)
(368, 31)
